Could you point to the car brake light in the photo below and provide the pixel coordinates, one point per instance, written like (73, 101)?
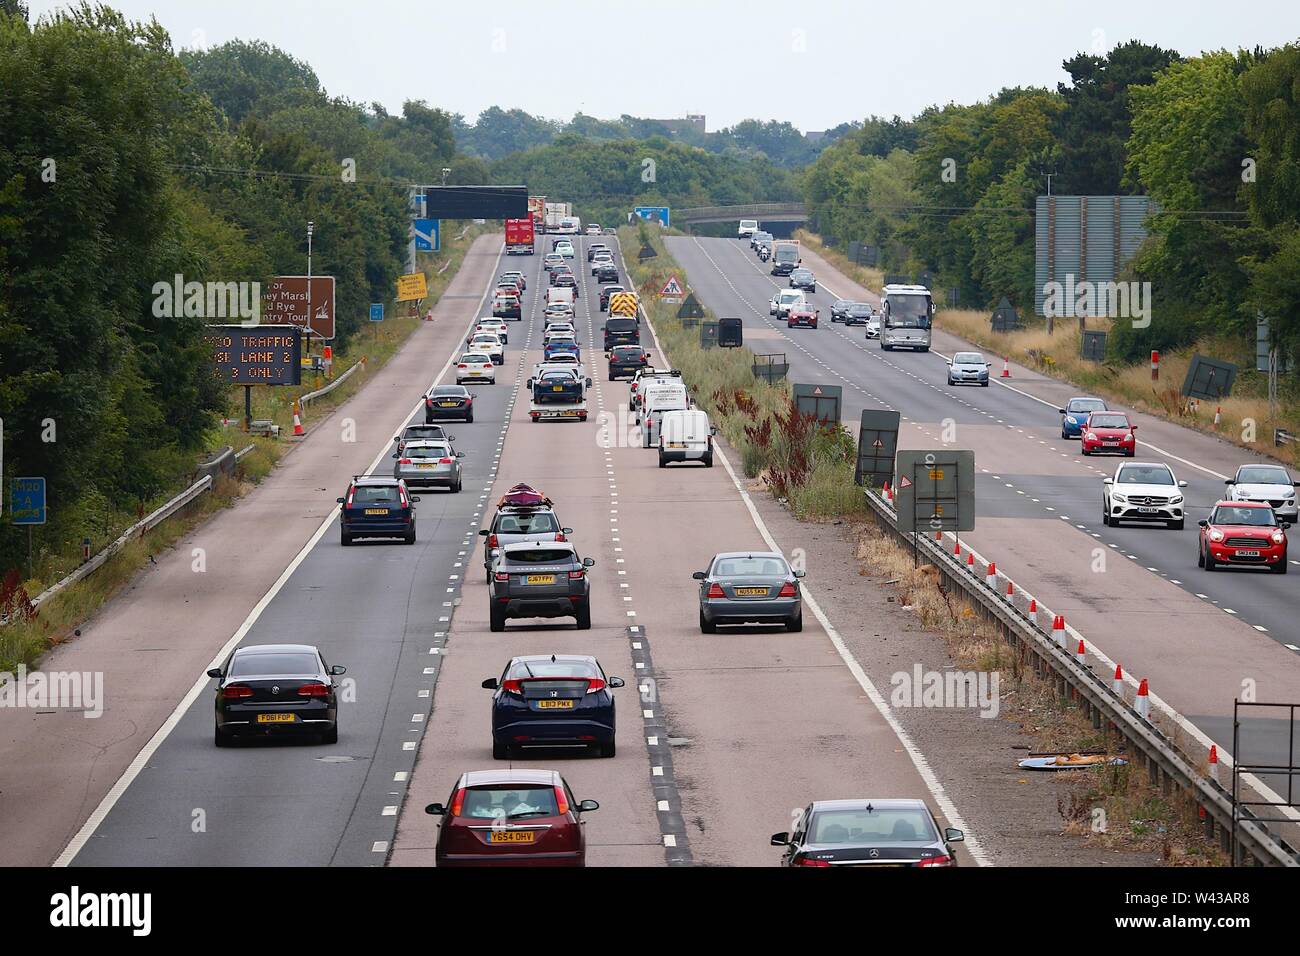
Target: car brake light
(787, 590)
(576, 575)
(805, 861)
(348, 503)
(401, 496)
(313, 690)
(457, 803)
(936, 861)
(561, 537)
(235, 691)
(715, 591)
(513, 685)
(501, 576)
(594, 684)
(403, 461)
(445, 461)
(492, 541)
(561, 801)
(462, 365)
(428, 403)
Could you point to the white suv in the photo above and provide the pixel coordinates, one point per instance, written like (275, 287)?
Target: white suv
(1143, 491)
(784, 301)
(747, 228)
(1269, 484)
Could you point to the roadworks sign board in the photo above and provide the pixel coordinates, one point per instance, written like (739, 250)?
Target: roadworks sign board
(877, 443)
(411, 287)
(935, 490)
(672, 288)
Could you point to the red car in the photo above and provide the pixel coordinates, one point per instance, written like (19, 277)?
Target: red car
(1243, 532)
(511, 818)
(802, 318)
(1109, 432)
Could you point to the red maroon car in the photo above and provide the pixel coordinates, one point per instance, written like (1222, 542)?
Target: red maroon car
(802, 318)
(511, 818)
(1109, 432)
(1243, 532)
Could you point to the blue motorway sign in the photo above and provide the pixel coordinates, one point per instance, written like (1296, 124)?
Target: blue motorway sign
(657, 214)
(376, 311)
(27, 500)
(427, 235)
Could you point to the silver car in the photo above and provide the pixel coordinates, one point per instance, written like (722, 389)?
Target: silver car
(743, 587)
(429, 464)
(969, 368)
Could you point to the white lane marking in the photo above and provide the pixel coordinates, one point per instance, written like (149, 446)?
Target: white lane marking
(146, 753)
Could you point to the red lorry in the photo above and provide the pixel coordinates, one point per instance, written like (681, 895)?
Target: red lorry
(519, 237)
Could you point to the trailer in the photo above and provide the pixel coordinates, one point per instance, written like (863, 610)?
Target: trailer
(575, 412)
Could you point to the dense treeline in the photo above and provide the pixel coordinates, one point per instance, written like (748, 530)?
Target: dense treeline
(122, 164)
(1214, 139)
(497, 132)
(604, 180)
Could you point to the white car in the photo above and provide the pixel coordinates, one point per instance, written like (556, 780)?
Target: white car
(563, 360)
(475, 367)
(496, 327)
(551, 260)
(490, 345)
(1143, 491)
(785, 300)
(558, 312)
(601, 259)
(873, 326)
(593, 229)
(747, 228)
(1268, 484)
(565, 250)
(555, 329)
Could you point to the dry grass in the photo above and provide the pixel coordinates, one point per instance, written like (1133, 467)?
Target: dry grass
(868, 276)
(1245, 418)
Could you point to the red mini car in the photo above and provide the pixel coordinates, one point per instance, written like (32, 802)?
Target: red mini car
(1243, 532)
(806, 318)
(511, 818)
(1109, 432)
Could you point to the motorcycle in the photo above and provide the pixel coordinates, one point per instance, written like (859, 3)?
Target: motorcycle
(764, 254)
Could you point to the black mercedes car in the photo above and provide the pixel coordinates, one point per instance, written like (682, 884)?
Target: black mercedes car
(886, 833)
(448, 401)
(266, 689)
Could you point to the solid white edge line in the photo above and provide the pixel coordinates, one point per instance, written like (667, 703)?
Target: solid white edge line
(918, 759)
(101, 812)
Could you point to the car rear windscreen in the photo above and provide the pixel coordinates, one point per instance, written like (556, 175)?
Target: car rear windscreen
(250, 665)
(553, 669)
(375, 495)
(732, 567)
(540, 556)
(507, 802)
(541, 522)
(874, 826)
(427, 451)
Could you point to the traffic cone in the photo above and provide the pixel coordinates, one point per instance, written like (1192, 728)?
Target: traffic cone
(1058, 630)
(1117, 685)
(1212, 771)
(1142, 703)
(1033, 605)
(938, 536)
(885, 493)
(297, 419)
(1081, 653)
(1011, 590)
(970, 561)
(1218, 416)
(1006, 367)
(956, 549)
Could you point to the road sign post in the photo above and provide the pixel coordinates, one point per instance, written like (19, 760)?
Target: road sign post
(820, 401)
(935, 490)
(428, 234)
(27, 507)
(877, 444)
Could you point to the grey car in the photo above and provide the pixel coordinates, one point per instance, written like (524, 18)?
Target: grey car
(510, 525)
(539, 580)
(968, 368)
(803, 279)
(429, 464)
(743, 587)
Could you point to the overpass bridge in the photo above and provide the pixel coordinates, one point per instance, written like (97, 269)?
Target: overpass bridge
(763, 212)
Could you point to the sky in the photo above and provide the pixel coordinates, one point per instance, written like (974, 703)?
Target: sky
(814, 63)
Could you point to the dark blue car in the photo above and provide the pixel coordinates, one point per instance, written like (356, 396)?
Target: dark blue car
(376, 507)
(1076, 412)
(552, 701)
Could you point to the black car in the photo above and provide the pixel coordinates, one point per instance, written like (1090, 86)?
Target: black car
(423, 433)
(859, 313)
(607, 273)
(448, 401)
(888, 833)
(606, 292)
(266, 689)
(377, 507)
(552, 701)
(803, 279)
(531, 579)
(624, 360)
(840, 308)
(621, 331)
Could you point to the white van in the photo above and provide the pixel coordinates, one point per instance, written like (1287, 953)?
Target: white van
(659, 397)
(747, 228)
(686, 435)
(560, 295)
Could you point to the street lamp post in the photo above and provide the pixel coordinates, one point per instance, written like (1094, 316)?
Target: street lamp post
(446, 171)
(310, 228)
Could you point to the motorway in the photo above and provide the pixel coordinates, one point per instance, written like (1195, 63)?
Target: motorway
(1134, 592)
(722, 739)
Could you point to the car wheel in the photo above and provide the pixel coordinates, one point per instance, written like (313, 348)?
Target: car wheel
(1200, 556)
(663, 462)
(707, 627)
(469, 418)
(221, 738)
(409, 538)
(982, 384)
(583, 617)
(1280, 567)
(607, 750)
(1085, 451)
(795, 624)
(1105, 513)
(886, 348)
(949, 381)
(1131, 453)
(496, 619)
(708, 460)
(1064, 436)
(1175, 525)
(487, 577)
(1209, 563)
(330, 736)
(455, 489)
(500, 751)
(345, 539)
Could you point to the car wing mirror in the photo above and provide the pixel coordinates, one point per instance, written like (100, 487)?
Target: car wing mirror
(1062, 411)
(490, 684)
(1108, 480)
(339, 500)
(1182, 484)
(781, 839)
(1227, 481)
(338, 670)
(1204, 523)
(588, 562)
(698, 575)
(436, 810)
(415, 498)
(460, 454)
(953, 835)
(615, 682)
(564, 531)
(799, 574)
(396, 455)
(215, 672)
(586, 806)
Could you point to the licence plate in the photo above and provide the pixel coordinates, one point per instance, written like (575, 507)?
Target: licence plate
(677, 444)
(376, 511)
(422, 465)
(449, 404)
(557, 388)
(512, 836)
(751, 592)
(275, 718)
(1111, 444)
(539, 579)
(1147, 511)
(1247, 554)
(555, 705)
